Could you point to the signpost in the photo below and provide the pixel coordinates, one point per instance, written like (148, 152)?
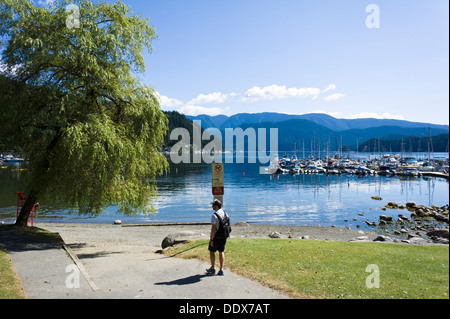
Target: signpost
(218, 188)
(217, 171)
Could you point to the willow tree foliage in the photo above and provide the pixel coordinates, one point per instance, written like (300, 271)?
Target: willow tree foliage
(70, 99)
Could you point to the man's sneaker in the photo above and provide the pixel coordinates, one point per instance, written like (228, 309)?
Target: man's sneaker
(220, 273)
(210, 271)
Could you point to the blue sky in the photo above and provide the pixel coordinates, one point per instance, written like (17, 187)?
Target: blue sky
(298, 56)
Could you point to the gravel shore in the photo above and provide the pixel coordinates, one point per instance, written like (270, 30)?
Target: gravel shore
(148, 236)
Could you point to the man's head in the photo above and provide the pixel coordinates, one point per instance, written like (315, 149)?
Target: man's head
(216, 204)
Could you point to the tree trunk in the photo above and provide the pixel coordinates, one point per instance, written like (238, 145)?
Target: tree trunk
(22, 219)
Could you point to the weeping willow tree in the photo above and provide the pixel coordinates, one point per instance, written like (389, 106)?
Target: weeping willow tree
(70, 99)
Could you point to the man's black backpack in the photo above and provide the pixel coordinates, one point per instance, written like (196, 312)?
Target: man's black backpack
(225, 226)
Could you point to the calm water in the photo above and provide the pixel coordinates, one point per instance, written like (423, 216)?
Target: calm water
(185, 194)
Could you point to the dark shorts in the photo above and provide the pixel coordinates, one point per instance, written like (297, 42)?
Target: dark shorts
(219, 245)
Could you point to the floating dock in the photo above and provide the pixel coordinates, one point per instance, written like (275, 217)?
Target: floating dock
(435, 174)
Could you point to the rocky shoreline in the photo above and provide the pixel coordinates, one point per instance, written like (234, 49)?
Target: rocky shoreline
(426, 224)
(244, 230)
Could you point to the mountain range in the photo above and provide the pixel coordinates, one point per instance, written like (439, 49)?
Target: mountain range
(314, 130)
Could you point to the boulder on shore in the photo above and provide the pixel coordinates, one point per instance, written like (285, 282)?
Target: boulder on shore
(386, 218)
(411, 205)
(275, 234)
(392, 205)
(438, 233)
(383, 238)
(179, 238)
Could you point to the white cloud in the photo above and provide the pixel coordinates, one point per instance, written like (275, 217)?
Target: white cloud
(196, 106)
(334, 97)
(364, 115)
(330, 87)
(167, 102)
(192, 107)
(194, 110)
(383, 116)
(215, 97)
(5, 70)
(333, 114)
(46, 3)
(278, 92)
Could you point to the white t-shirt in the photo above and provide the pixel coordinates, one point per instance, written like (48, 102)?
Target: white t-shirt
(215, 220)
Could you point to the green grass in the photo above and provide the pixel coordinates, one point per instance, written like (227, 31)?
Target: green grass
(10, 285)
(327, 269)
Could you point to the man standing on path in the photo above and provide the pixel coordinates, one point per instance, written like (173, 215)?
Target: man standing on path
(217, 242)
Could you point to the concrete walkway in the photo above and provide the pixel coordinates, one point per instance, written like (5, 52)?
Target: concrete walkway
(48, 271)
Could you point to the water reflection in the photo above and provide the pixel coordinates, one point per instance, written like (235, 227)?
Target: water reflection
(185, 194)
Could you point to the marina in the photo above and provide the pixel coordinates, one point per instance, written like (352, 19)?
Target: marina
(4, 159)
(305, 198)
(387, 165)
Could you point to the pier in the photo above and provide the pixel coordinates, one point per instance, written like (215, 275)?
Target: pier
(436, 174)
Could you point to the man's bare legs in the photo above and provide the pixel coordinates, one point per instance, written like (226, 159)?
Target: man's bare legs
(212, 257)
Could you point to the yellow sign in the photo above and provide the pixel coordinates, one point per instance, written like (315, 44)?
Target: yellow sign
(217, 171)
(218, 188)
(217, 183)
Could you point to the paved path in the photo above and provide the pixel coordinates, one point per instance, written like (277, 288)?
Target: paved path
(41, 266)
(122, 271)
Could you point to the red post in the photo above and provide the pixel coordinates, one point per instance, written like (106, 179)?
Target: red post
(32, 211)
